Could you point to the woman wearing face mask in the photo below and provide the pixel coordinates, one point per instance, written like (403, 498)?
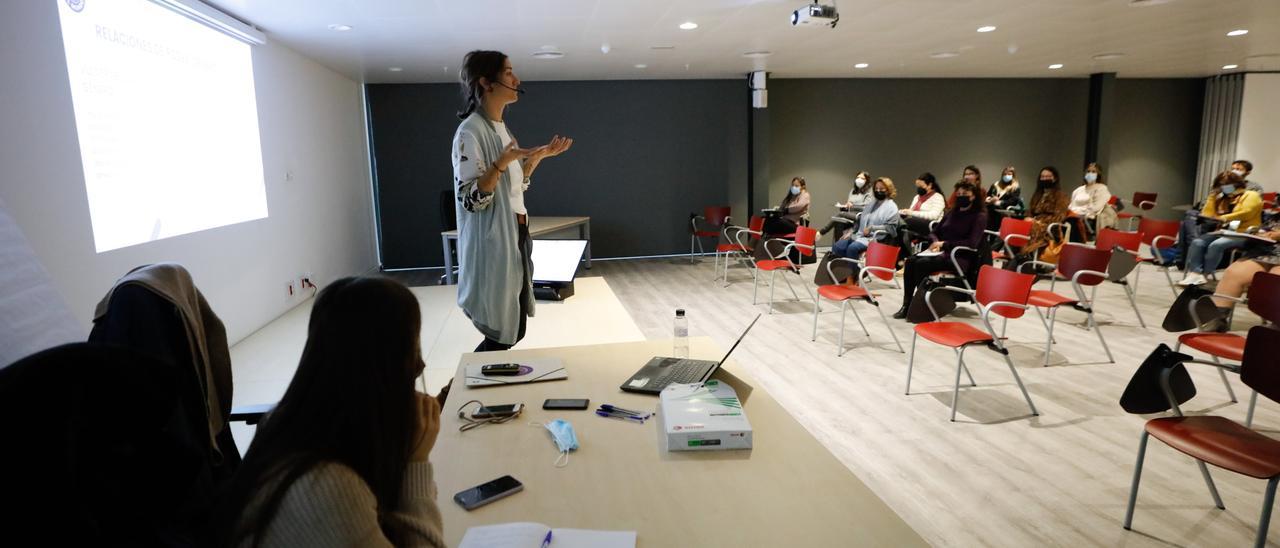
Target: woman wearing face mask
(859, 198)
(882, 212)
(794, 208)
(973, 176)
(928, 206)
(1089, 201)
(1228, 201)
(961, 226)
(1005, 195)
(1048, 206)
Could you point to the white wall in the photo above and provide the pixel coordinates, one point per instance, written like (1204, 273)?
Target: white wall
(312, 124)
(1259, 138)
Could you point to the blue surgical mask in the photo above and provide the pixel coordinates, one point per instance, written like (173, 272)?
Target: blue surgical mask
(1090, 177)
(1228, 189)
(795, 190)
(564, 436)
(1007, 178)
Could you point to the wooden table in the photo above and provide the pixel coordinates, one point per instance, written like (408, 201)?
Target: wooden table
(538, 226)
(787, 491)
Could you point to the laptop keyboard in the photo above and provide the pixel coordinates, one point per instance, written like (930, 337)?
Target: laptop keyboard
(680, 372)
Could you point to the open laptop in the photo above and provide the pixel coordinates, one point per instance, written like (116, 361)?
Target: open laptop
(660, 371)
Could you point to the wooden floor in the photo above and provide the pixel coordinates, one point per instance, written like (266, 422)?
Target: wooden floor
(996, 476)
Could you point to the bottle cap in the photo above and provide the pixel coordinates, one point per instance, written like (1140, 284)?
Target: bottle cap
(679, 312)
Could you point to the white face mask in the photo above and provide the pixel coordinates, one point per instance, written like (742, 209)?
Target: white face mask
(1090, 177)
(859, 182)
(1007, 178)
(1238, 172)
(795, 190)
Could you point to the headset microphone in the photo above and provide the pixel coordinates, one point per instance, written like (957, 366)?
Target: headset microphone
(519, 91)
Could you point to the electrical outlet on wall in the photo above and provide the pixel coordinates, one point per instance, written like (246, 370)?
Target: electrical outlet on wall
(307, 280)
(290, 288)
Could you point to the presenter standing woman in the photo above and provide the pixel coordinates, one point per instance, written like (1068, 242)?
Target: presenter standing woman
(491, 174)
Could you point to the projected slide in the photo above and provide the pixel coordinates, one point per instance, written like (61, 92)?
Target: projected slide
(167, 121)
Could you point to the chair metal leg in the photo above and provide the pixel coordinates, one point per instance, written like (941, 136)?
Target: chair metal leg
(1223, 373)
(911, 359)
(1045, 323)
(787, 281)
(1004, 326)
(1137, 276)
(967, 373)
(1208, 480)
(1048, 343)
(815, 321)
(1096, 329)
(955, 389)
(889, 327)
(1134, 304)
(755, 289)
(1022, 387)
(1169, 279)
(1264, 522)
(840, 339)
(856, 316)
(771, 285)
(1137, 476)
(1253, 402)
(692, 238)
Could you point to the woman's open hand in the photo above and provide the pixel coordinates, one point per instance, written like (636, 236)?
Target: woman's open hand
(512, 153)
(556, 147)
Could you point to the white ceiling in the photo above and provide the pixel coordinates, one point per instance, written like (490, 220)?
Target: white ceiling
(427, 38)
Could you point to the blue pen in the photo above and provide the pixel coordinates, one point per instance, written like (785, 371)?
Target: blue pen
(615, 409)
(617, 416)
(547, 541)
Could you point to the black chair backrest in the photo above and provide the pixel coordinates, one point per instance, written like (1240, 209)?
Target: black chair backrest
(448, 214)
(1259, 370)
(1144, 394)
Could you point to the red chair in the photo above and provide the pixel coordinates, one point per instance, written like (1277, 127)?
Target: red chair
(738, 242)
(713, 219)
(804, 242)
(1263, 300)
(1084, 267)
(1127, 243)
(1158, 235)
(1144, 201)
(1000, 291)
(878, 262)
(1269, 200)
(1013, 232)
(1218, 440)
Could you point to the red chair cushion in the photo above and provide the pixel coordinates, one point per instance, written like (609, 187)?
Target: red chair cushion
(773, 265)
(1221, 442)
(842, 292)
(1222, 345)
(723, 248)
(953, 334)
(706, 233)
(1048, 299)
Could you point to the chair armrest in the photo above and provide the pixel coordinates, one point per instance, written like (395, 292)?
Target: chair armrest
(1146, 204)
(1037, 263)
(250, 414)
(1075, 283)
(832, 273)
(992, 232)
(986, 313)
(866, 275)
(929, 301)
(785, 249)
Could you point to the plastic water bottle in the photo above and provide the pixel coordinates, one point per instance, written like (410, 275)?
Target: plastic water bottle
(681, 349)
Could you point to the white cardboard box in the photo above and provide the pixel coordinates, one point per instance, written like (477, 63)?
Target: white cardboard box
(698, 417)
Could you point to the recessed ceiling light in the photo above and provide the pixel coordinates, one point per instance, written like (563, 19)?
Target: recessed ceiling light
(757, 54)
(1238, 32)
(1142, 3)
(339, 27)
(944, 54)
(861, 65)
(547, 54)
(642, 65)
(1107, 56)
(1055, 66)
(987, 28)
(1230, 67)
(395, 69)
(688, 25)
(604, 48)
(662, 48)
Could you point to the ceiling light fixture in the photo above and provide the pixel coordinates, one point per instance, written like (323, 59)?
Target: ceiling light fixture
(861, 65)
(944, 54)
(604, 48)
(987, 28)
(395, 69)
(1107, 56)
(642, 66)
(1055, 66)
(340, 27)
(757, 54)
(1238, 32)
(688, 25)
(1230, 67)
(1144, 3)
(662, 48)
(547, 54)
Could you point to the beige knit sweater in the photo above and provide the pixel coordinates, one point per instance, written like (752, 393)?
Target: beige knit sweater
(332, 506)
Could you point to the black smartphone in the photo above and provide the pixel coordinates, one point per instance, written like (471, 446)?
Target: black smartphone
(485, 493)
(500, 369)
(498, 411)
(574, 404)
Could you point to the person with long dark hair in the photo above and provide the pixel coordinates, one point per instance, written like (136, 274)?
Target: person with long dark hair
(860, 196)
(342, 459)
(1005, 195)
(793, 209)
(491, 174)
(961, 226)
(1048, 206)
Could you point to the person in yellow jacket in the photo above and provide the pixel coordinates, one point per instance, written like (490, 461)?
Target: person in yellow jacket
(1228, 202)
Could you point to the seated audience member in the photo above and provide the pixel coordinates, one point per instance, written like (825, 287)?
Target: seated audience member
(1227, 202)
(1235, 281)
(927, 206)
(859, 197)
(1243, 168)
(1048, 206)
(972, 175)
(794, 209)
(961, 226)
(343, 458)
(882, 213)
(1005, 195)
(1089, 203)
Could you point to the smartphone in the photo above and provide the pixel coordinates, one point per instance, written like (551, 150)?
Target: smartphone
(500, 369)
(498, 411)
(485, 493)
(566, 403)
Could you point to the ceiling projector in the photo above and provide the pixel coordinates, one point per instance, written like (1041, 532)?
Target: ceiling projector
(816, 15)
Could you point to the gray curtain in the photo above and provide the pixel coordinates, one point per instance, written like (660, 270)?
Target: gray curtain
(1219, 128)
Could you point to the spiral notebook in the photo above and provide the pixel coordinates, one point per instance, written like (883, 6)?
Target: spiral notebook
(537, 535)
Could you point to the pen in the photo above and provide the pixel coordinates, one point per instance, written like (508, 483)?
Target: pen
(547, 541)
(612, 408)
(621, 417)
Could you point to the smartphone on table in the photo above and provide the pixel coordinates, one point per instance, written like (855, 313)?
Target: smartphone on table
(573, 404)
(485, 493)
(498, 411)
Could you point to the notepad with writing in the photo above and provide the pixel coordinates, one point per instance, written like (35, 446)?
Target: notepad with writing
(532, 535)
